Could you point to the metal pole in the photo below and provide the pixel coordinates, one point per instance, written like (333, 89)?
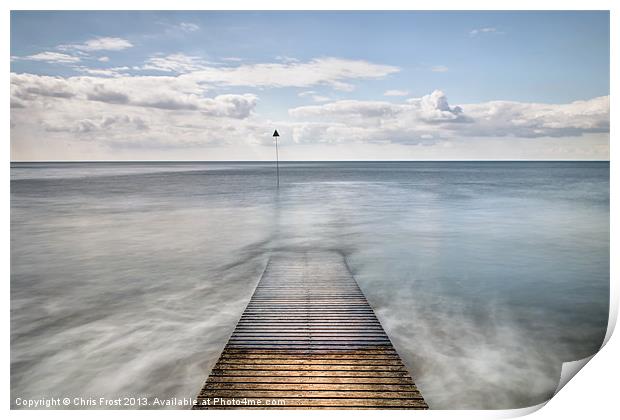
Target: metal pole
(277, 163)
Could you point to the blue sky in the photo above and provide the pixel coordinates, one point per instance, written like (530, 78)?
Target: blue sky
(360, 60)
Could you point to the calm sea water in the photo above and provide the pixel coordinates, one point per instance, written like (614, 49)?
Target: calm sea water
(127, 278)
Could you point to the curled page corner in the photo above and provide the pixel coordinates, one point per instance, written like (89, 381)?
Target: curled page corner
(521, 412)
(613, 314)
(570, 369)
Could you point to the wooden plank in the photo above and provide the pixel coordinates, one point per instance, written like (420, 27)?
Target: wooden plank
(308, 339)
(310, 362)
(312, 373)
(309, 386)
(380, 380)
(296, 393)
(301, 358)
(312, 367)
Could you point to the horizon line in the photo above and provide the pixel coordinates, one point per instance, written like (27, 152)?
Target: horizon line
(308, 161)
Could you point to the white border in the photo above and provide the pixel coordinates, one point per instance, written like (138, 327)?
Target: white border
(591, 395)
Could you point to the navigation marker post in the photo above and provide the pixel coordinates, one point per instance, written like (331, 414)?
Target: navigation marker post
(276, 135)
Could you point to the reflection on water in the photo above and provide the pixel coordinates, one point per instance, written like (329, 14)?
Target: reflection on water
(127, 279)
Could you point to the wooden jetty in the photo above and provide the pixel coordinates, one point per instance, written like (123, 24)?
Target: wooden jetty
(308, 339)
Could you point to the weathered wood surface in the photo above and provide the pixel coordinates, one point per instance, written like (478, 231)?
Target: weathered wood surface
(308, 339)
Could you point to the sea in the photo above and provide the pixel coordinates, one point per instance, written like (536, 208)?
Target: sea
(127, 278)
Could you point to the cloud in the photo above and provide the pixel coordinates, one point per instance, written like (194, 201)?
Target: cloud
(123, 122)
(313, 95)
(179, 29)
(333, 72)
(430, 108)
(177, 63)
(530, 120)
(336, 73)
(177, 109)
(51, 57)
(346, 109)
(15, 103)
(487, 30)
(435, 108)
(105, 72)
(233, 106)
(95, 44)
(146, 113)
(99, 44)
(165, 93)
(102, 94)
(432, 118)
(189, 27)
(439, 69)
(28, 87)
(320, 71)
(395, 92)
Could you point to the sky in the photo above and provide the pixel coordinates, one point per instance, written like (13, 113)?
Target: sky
(336, 85)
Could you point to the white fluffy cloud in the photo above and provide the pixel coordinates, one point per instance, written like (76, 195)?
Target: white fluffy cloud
(99, 44)
(28, 87)
(143, 113)
(137, 112)
(328, 71)
(71, 52)
(51, 57)
(105, 72)
(432, 118)
(428, 109)
(170, 93)
(189, 27)
(519, 119)
(333, 72)
(176, 110)
(434, 108)
(175, 63)
(105, 123)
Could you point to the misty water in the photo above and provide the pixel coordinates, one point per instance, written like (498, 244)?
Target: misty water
(128, 278)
